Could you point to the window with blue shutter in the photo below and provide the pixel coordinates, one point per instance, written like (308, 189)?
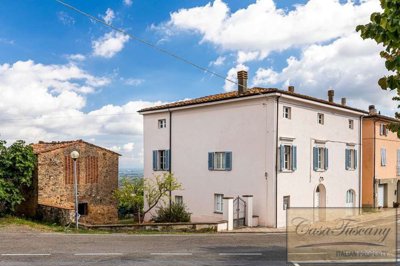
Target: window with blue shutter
(228, 161)
(294, 156)
(281, 157)
(155, 163)
(220, 161)
(210, 161)
(347, 159)
(355, 159)
(315, 158)
(167, 160)
(326, 160)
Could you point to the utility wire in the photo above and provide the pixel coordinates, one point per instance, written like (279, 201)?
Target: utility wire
(145, 42)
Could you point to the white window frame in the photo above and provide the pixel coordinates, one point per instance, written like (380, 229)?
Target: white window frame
(219, 160)
(321, 158)
(287, 112)
(350, 196)
(287, 158)
(351, 124)
(178, 199)
(218, 203)
(161, 160)
(321, 118)
(382, 129)
(162, 123)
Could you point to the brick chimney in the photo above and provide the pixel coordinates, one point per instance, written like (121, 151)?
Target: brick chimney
(372, 110)
(242, 81)
(291, 89)
(343, 101)
(331, 93)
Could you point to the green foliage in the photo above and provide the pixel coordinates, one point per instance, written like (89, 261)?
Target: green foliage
(157, 189)
(17, 164)
(172, 214)
(130, 195)
(384, 28)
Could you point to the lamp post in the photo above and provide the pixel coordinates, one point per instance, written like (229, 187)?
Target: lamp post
(75, 156)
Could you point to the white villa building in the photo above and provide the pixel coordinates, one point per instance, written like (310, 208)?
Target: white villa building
(283, 148)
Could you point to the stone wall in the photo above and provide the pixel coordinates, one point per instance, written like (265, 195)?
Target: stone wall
(52, 189)
(52, 214)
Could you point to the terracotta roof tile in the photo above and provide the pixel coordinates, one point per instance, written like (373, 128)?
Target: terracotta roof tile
(248, 93)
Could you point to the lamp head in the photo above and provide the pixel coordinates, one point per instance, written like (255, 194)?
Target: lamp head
(74, 155)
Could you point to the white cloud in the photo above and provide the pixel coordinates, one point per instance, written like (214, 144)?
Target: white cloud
(133, 82)
(109, 16)
(219, 61)
(261, 27)
(65, 19)
(232, 75)
(46, 102)
(109, 44)
(76, 57)
(350, 65)
(128, 2)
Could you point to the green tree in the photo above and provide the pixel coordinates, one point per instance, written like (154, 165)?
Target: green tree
(384, 28)
(130, 195)
(133, 193)
(17, 163)
(157, 189)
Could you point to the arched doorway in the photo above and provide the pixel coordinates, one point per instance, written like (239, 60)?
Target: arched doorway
(320, 197)
(350, 198)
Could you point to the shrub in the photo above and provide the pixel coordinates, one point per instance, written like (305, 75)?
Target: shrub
(177, 213)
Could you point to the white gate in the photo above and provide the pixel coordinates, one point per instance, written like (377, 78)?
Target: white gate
(239, 212)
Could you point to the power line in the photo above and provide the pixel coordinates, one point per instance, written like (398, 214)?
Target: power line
(83, 115)
(145, 42)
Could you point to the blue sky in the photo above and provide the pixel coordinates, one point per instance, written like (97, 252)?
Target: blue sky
(63, 76)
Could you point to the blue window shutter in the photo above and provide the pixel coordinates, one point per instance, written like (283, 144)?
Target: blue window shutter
(167, 160)
(155, 153)
(210, 161)
(294, 158)
(326, 159)
(228, 161)
(281, 157)
(383, 157)
(355, 159)
(347, 161)
(315, 158)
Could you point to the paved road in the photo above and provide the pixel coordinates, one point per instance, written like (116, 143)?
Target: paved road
(20, 249)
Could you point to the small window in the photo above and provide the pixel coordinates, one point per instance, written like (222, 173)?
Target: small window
(161, 160)
(83, 209)
(383, 157)
(286, 202)
(287, 112)
(382, 130)
(351, 159)
(320, 119)
(220, 161)
(350, 196)
(351, 123)
(218, 203)
(288, 157)
(162, 123)
(179, 200)
(320, 158)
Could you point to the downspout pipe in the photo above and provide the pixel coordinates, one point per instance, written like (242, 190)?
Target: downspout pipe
(276, 161)
(170, 155)
(360, 164)
(374, 177)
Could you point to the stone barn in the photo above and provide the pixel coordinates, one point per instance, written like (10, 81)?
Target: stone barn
(51, 197)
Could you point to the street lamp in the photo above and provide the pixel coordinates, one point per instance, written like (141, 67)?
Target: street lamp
(74, 156)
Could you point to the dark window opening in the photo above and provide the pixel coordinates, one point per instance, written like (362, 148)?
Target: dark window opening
(83, 209)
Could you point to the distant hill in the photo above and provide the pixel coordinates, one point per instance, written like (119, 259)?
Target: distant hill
(130, 172)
